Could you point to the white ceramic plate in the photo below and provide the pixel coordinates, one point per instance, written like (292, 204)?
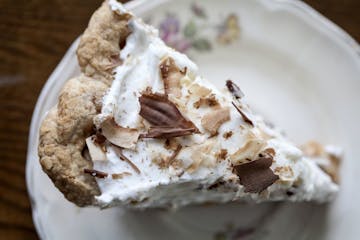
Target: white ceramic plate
(296, 67)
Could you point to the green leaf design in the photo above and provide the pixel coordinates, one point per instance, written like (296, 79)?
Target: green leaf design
(201, 44)
(190, 29)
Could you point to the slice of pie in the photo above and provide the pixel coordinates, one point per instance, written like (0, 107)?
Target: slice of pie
(141, 128)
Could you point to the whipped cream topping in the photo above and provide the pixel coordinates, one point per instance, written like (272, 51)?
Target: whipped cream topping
(198, 167)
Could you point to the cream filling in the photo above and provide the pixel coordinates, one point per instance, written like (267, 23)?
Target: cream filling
(173, 186)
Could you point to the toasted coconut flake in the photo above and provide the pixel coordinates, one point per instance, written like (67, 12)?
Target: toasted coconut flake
(122, 137)
(122, 157)
(249, 151)
(171, 76)
(199, 91)
(285, 173)
(243, 115)
(166, 119)
(95, 151)
(197, 160)
(332, 169)
(328, 161)
(210, 101)
(120, 175)
(256, 175)
(313, 149)
(177, 164)
(95, 173)
(201, 156)
(213, 120)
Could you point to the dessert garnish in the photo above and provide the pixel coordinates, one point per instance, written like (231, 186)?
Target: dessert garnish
(165, 118)
(95, 173)
(122, 157)
(117, 135)
(256, 175)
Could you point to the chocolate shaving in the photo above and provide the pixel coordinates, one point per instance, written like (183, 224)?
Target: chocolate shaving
(184, 71)
(238, 94)
(289, 193)
(120, 175)
(256, 175)
(120, 154)
(99, 139)
(160, 112)
(95, 173)
(198, 90)
(217, 184)
(227, 135)
(222, 154)
(97, 105)
(170, 161)
(181, 173)
(174, 154)
(243, 115)
(270, 151)
(167, 132)
(234, 89)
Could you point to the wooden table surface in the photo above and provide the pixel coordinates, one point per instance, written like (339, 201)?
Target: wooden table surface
(34, 35)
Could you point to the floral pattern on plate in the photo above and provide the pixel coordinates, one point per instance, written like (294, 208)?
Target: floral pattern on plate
(194, 33)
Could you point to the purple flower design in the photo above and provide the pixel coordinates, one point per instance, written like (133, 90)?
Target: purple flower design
(169, 27)
(180, 44)
(190, 34)
(170, 34)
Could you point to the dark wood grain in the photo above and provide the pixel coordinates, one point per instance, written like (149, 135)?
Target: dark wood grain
(34, 35)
